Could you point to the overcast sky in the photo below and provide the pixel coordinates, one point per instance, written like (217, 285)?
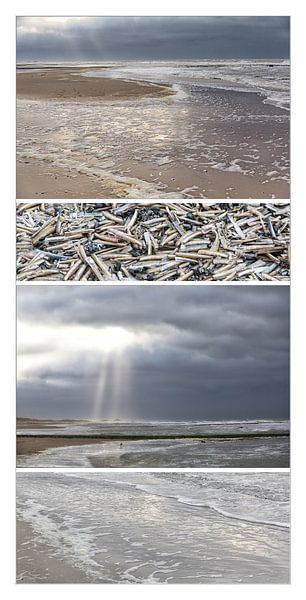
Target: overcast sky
(153, 352)
(149, 38)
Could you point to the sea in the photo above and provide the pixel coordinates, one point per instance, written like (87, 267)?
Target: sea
(260, 444)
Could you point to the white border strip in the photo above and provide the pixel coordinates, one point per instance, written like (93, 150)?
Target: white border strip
(147, 470)
(154, 283)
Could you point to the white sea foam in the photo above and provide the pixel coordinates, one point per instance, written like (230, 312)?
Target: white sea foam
(230, 515)
(269, 78)
(230, 526)
(110, 427)
(224, 502)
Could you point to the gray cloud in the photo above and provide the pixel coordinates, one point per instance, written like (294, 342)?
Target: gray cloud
(149, 38)
(210, 351)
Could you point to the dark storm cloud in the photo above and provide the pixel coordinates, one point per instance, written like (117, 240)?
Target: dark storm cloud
(149, 38)
(156, 306)
(210, 351)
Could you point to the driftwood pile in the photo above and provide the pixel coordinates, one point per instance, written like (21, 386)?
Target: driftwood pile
(153, 242)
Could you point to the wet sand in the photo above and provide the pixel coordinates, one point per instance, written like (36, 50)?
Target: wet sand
(70, 84)
(35, 562)
(209, 183)
(42, 179)
(32, 445)
(122, 451)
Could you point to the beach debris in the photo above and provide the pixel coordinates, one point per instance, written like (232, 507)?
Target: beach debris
(199, 241)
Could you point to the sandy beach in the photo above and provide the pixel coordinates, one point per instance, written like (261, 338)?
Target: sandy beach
(32, 445)
(38, 565)
(69, 84)
(125, 137)
(42, 179)
(114, 444)
(120, 452)
(43, 443)
(38, 179)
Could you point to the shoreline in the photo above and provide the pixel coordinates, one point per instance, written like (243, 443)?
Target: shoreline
(32, 444)
(35, 444)
(45, 179)
(37, 564)
(187, 535)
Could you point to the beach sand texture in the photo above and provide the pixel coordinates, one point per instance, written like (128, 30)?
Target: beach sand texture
(37, 565)
(32, 445)
(68, 84)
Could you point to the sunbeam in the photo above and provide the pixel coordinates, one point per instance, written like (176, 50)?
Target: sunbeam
(112, 390)
(121, 385)
(103, 381)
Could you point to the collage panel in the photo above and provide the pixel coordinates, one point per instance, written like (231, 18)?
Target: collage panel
(212, 125)
(153, 242)
(153, 528)
(153, 300)
(182, 376)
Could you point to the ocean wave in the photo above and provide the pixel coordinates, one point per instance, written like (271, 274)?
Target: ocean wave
(196, 502)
